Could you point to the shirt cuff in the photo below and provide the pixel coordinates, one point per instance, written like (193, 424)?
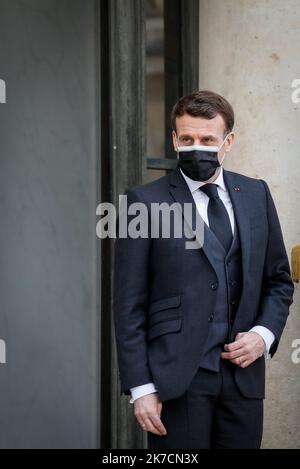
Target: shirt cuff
(142, 390)
(267, 336)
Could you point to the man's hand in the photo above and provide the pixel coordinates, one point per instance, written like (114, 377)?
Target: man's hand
(246, 348)
(147, 410)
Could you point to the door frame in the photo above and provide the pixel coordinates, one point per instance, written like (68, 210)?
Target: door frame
(124, 162)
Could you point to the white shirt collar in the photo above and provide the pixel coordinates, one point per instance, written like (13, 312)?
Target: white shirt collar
(194, 185)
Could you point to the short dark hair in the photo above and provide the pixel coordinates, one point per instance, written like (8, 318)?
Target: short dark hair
(205, 104)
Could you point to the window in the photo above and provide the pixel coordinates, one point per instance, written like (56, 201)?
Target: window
(171, 71)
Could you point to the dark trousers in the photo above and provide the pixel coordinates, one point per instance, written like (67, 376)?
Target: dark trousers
(212, 413)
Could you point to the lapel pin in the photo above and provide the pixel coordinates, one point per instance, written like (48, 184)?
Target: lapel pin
(237, 189)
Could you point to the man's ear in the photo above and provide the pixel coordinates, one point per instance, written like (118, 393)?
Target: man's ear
(230, 140)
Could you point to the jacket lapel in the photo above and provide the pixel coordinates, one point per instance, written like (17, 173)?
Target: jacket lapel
(239, 202)
(181, 193)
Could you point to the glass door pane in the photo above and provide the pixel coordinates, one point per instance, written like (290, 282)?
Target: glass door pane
(155, 83)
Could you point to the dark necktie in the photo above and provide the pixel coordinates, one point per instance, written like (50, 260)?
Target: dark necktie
(218, 217)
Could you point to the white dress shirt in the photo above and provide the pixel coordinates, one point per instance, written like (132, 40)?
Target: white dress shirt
(201, 201)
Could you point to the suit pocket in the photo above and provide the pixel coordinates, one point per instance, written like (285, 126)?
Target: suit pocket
(164, 327)
(164, 303)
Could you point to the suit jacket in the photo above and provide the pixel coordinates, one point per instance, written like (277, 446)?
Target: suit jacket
(163, 297)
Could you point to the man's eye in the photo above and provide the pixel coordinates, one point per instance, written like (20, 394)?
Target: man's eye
(186, 141)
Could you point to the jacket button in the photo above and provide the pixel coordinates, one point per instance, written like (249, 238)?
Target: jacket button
(214, 286)
(233, 283)
(211, 317)
(233, 302)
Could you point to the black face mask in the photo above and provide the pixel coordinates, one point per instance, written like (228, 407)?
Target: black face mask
(199, 162)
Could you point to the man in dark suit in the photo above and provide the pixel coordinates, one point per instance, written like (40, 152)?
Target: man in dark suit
(194, 326)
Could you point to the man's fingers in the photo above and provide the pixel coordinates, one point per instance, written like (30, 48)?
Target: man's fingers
(150, 427)
(242, 361)
(158, 424)
(245, 364)
(235, 354)
(149, 419)
(147, 410)
(237, 344)
(239, 360)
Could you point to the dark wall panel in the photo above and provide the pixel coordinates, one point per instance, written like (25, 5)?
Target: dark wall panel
(49, 254)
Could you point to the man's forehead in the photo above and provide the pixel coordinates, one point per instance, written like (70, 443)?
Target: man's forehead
(199, 125)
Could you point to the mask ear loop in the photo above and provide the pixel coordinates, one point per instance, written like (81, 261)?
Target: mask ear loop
(221, 147)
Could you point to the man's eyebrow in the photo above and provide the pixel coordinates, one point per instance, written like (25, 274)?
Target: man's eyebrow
(208, 136)
(186, 135)
(191, 135)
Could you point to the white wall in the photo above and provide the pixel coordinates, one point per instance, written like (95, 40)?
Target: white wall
(249, 52)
